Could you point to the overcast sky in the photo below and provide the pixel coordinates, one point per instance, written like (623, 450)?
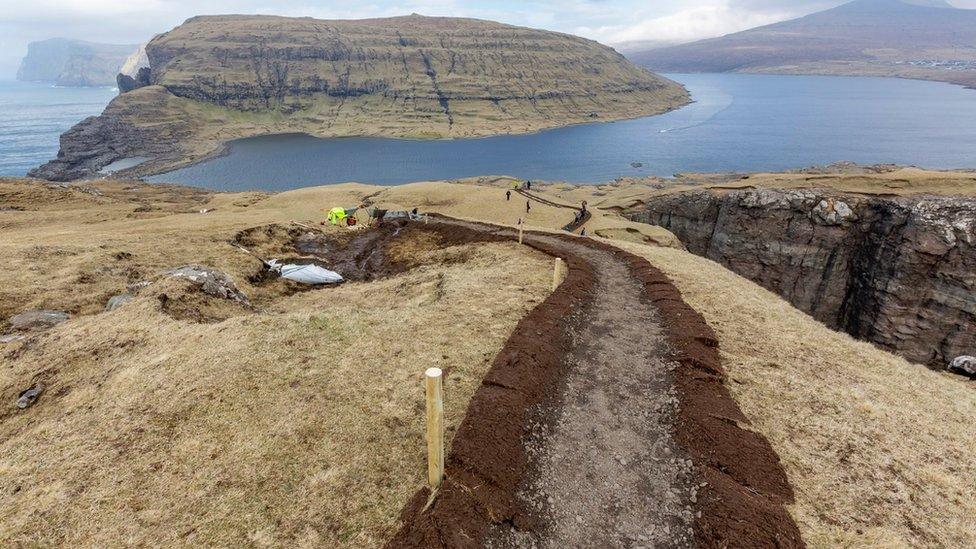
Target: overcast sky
(609, 21)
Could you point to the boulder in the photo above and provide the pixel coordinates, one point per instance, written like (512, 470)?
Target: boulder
(117, 301)
(211, 281)
(37, 320)
(28, 397)
(965, 365)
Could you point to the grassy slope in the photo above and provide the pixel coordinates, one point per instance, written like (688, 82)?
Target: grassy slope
(879, 450)
(298, 425)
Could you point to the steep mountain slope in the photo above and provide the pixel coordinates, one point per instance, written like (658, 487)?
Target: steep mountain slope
(66, 62)
(927, 39)
(222, 77)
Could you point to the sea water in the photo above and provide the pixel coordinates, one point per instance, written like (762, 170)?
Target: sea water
(34, 115)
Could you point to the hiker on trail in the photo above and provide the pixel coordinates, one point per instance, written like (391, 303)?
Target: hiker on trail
(508, 195)
(528, 185)
(583, 232)
(528, 206)
(583, 209)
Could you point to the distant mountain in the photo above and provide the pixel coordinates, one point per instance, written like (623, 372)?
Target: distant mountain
(67, 62)
(927, 39)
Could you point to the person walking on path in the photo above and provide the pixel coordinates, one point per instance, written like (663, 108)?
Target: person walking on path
(528, 185)
(508, 195)
(528, 206)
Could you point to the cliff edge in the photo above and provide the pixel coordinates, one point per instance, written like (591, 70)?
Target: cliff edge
(73, 63)
(893, 270)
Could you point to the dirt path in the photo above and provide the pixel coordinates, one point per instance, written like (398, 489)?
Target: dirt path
(604, 422)
(605, 471)
(570, 227)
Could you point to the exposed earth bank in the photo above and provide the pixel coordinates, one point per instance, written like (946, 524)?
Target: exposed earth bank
(218, 78)
(898, 271)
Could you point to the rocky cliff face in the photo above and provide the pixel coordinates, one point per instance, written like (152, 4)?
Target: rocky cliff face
(399, 77)
(66, 62)
(898, 272)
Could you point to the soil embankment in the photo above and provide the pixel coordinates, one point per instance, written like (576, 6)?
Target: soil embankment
(588, 397)
(895, 271)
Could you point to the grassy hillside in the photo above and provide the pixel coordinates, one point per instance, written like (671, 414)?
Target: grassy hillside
(299, 422)
(878, 450)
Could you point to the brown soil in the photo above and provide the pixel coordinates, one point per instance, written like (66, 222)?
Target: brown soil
(744, 484)
(605, 470)
(741, 485)
(362, 255)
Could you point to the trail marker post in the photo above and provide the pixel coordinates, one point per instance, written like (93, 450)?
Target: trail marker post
(558, 268)
(520, 230)
(435, 428)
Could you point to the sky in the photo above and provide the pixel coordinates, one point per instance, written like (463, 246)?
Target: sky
(613, 22)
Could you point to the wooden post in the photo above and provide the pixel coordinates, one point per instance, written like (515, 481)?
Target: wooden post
(520, 230)
(435, 428)
(557, 273)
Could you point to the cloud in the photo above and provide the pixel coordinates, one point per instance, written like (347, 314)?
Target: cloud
(609, 21)
(688, 24)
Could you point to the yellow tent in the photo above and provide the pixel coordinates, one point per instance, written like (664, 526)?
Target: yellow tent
(336, 215)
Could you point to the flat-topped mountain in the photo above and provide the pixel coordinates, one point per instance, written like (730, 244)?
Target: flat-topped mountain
(928, 39)
(67, 62)
(217, 78)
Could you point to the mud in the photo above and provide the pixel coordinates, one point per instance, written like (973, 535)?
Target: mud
(363, 255)
(740, 486)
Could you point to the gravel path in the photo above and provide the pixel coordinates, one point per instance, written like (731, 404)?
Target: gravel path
(605, 471)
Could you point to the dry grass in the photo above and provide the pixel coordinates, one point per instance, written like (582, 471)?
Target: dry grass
(484, 199)
(296, 425)
(880, 451)
(300, 424)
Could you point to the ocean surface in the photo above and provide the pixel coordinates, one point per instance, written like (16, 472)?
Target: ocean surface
(34, 115)
(738, 122)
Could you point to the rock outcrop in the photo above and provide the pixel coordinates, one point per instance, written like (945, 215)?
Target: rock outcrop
(66, 62)
(234, 76)
(37, 320)
(128, 83)
(899, 272)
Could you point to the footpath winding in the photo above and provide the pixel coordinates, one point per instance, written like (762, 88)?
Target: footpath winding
(570, 227)
(603, 422)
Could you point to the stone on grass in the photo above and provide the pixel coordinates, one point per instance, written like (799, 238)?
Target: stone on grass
(29, 397)
(117, 301)
(37, 320)
(212, 281)
(965, 365)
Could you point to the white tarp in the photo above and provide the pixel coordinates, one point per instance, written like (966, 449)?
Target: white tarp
(306, 274)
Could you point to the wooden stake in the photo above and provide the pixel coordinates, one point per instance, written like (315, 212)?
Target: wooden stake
(435, 428)
(557, 273)
(520, 230)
